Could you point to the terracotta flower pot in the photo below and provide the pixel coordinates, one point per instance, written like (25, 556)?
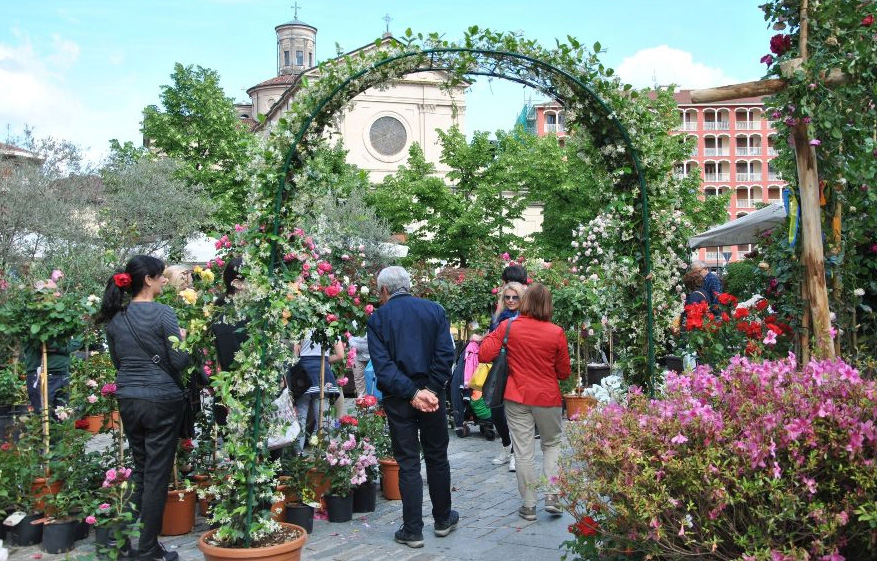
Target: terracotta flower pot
(202, 482)
(577, 406)
(319, 483)
(39, 488)
(289, 551)
(390, 479)
(179, 513)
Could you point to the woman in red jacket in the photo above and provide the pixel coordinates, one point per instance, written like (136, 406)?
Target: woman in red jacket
(538, 357)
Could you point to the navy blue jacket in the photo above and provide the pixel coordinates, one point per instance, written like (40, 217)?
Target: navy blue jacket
(712, 287)
(410, 344)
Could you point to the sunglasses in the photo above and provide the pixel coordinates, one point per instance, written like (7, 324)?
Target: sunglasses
(511, 297)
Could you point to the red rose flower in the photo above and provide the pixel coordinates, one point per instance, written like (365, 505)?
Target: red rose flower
(348, 421)
(586, 527)
(727, 299)
(81, 424)
(868, 20)
(122, 280)
(725, 316)
(761, 304)
(741, 313)
(780, 44)
(7, 447)
(751, 348)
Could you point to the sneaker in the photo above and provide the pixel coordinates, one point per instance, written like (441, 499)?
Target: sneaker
(159, 553)
(552, 505)
(527, 512)
(410, 539)
(504, 456)
(511, 462)
(442, 529)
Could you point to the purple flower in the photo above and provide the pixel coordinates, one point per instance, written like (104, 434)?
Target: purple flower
(815, 142)
(767, 59)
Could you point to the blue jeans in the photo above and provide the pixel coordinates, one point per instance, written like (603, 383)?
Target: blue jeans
(153, 431)
(410, 430)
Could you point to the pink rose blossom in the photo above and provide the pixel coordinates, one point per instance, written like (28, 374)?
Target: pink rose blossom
(91, 520)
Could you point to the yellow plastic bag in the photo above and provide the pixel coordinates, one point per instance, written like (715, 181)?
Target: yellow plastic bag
(477, 380)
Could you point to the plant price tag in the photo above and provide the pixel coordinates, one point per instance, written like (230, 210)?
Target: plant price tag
(14, 518)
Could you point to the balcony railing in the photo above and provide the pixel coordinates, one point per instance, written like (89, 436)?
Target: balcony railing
(694, 152)
(774, 176)
(748, 177)
(717, 177)
(679, 175)
(772, 151)
(554, 128)
(744, 203)
(748, 151)
(748, 125)
(688, 126)
(716, 125)
(716, 152)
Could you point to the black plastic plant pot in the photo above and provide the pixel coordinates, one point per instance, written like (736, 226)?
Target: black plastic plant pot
(60, 537)
(28, 531)
(301, 515)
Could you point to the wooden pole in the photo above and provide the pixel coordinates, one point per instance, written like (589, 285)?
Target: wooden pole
(833, 77)
(44, 398)
(812, 254)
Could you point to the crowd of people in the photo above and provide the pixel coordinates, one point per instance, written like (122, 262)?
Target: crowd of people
(409, 344)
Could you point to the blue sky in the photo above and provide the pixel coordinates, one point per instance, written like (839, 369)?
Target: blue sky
(83, 70)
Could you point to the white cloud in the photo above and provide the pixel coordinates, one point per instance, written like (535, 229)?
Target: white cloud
(34, 93)
(669, 66)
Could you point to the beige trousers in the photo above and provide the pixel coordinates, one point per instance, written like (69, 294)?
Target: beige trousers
(523, 421)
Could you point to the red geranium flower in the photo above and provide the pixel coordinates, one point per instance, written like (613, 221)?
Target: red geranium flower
(348, 421)
(586, 527)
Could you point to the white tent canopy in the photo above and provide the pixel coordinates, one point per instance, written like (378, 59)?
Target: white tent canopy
(743, 230)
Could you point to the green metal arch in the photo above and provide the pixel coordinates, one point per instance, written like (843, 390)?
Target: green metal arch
(439, 60)
(599, 114)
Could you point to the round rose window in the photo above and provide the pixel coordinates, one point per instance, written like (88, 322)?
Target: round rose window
(387, 135)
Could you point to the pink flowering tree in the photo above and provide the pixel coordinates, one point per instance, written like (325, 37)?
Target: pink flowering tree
(757, 462)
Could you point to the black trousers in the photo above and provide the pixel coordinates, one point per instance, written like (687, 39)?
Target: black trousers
(153, 431)
(411, 430)
(497, 416)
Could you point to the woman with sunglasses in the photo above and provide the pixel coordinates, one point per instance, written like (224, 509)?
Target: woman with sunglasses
(507, 307)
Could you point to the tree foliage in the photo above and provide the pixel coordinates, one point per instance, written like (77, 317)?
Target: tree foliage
(197, 126)
(476, 212)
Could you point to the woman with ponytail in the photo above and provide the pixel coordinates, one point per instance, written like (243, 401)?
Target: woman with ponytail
(147, 387)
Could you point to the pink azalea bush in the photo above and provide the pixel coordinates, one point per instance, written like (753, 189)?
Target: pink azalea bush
(765, 461)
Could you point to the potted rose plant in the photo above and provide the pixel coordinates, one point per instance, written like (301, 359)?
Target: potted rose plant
(110, 513)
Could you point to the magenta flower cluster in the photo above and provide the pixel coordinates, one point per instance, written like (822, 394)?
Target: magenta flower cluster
(768, 450)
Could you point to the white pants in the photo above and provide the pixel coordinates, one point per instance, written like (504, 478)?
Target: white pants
(523, 421)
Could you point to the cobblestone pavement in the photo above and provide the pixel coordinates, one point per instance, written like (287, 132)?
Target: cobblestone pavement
(490, 529)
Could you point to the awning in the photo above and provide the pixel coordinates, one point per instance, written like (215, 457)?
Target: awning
(744, 230)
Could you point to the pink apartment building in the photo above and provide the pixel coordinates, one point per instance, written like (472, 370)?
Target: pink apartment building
(735, 143)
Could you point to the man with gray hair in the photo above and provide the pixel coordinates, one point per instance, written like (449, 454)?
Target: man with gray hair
(712, 286)
(410, 344)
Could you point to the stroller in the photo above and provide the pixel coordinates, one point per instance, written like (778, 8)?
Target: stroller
(467, 409)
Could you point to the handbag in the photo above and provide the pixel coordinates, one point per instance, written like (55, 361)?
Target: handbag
(476, 382)
(285, 427)
(187, 425)
(493, 390)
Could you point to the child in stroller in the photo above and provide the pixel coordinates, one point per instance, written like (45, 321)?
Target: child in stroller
(467, 409)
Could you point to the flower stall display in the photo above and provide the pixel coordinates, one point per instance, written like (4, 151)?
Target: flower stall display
(715, 336)
(770, 460)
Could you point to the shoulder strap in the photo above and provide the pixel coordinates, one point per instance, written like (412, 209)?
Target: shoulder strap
(156, 359)
(505, 339)
(701, 293)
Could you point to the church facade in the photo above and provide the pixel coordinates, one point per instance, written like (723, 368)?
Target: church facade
(378, 126)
